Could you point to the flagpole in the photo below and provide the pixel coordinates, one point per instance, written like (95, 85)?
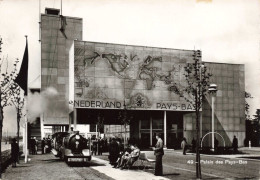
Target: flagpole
(26, 131)
(26, 118)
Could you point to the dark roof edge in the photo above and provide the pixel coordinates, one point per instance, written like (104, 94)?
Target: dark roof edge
(70, 17)
(133, 45)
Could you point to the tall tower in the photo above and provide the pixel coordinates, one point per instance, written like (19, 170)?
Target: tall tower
(57, 35)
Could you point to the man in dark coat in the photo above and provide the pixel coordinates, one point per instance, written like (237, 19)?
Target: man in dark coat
(33, 144)
(94, 147)
(235, 144)
(14, 152)
(193, 145)
(43, 145)
(100, 146)
(113, 151)
(49, 145)
(158, 152)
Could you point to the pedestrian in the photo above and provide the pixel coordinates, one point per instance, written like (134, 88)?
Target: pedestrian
(94, 147)
(30, 146)
(216, 144)
(235, 144)
(14, 152)
(43, 145)
(105, 149)
(158, 152)
(113, 151)
(193, 145)
(33, 144)
(36, 145)
(101, 146)
(49, 145)
(184, 145)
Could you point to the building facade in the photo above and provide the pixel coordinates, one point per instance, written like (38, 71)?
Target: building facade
(104, 82)
(57, 36)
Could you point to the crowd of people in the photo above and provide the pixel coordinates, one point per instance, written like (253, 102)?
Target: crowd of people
(185, 146)
(34, 143)
(120, 156)
(99, 145)
(46, 145)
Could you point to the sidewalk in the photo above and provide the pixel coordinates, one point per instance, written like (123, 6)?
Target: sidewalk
(40, 167)
(124, 174)
(247, 152)
(48, 167)
(252, 150)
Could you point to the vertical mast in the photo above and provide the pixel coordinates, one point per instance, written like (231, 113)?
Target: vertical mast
(61, 7)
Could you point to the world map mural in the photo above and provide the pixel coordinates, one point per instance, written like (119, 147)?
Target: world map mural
(133, 77)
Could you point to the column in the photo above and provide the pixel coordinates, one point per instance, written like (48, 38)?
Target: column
(70, 121)
(42, 126)
(151, 131)
(75, 119)
(213, 99)
(165, 129)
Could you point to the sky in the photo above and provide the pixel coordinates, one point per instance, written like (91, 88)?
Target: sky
(226, 31)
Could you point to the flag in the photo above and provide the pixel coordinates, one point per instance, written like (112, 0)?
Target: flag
(22, 78)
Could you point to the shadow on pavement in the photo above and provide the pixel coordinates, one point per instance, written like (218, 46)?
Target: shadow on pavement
(87, 164)
(52, 160)
(19, 166)
(172, 174)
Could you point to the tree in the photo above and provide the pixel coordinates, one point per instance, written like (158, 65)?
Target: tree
(197, 80)
(247, 106)
(18, 102)
(125, 117)
(6, 86)
(100, 121)
(256, 127)
(257, 115)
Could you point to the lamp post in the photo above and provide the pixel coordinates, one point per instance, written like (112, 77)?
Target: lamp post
(124, 117)
(213, 90)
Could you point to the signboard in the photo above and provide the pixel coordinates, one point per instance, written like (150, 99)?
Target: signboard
(110, 76)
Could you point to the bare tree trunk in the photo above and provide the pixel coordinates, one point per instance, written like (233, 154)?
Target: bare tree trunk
(1, 127)
(18, 132)
(198, 168)
(125, 136)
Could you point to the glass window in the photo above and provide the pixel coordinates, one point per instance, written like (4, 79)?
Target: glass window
(157, 123)
(145, 123)
(92, 127)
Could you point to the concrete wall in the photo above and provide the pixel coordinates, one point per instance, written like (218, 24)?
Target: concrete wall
(55, 63)
(142, 77)
(229, 105)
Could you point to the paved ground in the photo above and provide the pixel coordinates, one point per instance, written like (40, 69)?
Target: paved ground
(176, 166)
(50, 168)
(233, 166)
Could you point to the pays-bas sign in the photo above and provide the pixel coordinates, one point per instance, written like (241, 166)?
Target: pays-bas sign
(120, 105)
